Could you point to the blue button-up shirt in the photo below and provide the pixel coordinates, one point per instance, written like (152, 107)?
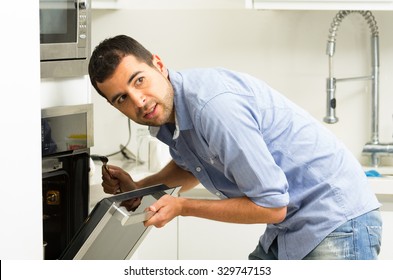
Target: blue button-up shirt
(240, 137)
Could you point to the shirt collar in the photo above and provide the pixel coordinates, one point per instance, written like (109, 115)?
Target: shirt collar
(182, 114)
(177, 129)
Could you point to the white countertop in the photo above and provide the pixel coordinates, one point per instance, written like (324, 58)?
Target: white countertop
(381, 185)
(384, 184)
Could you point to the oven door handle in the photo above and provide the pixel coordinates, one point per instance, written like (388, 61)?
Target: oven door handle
(129, 218)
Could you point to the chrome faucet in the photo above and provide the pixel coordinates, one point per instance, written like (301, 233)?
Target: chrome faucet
(373, 148)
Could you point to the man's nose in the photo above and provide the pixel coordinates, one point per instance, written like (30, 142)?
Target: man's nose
(138, 98)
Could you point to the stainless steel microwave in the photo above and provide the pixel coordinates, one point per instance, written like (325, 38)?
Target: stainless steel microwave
(64, 37)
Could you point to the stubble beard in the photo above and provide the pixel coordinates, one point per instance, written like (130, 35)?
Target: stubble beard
(167, 110)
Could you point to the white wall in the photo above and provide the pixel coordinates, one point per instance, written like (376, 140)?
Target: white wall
(20, 164)
(285, 48)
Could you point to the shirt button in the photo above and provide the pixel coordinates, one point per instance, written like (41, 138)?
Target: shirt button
(198, 169)
(218, 194)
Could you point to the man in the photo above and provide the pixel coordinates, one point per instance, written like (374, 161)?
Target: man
(267, 159)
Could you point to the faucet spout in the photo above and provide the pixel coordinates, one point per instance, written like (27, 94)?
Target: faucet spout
(374, 77)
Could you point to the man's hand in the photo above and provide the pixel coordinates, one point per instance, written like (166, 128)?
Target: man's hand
(132, 204)
(166, 208)
(116, 180)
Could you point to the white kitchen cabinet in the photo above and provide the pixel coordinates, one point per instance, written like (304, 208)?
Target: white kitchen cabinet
(201, 239)
(319, 5)
(21, 185)
(105, 4)
(167, 4)
(387, 230)
(383, 188)
(190, 238)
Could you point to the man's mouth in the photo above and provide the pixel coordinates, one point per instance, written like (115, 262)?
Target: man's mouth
(149, 114)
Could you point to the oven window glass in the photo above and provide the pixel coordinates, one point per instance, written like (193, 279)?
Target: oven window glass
(63, 133)
(58, 21)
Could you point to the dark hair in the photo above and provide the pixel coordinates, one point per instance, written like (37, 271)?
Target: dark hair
(108, 55)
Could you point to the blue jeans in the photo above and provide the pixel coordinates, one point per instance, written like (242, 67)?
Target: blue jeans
(357, 239)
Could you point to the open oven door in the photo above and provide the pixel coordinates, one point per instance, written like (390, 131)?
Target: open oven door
(111, 232)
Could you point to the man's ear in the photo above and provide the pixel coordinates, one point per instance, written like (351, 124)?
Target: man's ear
(159, 64)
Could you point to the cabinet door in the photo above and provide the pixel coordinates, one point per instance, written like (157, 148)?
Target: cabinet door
(387, 228)
(320, 4)
(201, 239)
(387, 236)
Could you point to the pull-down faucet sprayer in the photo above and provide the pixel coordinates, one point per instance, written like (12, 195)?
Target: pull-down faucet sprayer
(374, 147)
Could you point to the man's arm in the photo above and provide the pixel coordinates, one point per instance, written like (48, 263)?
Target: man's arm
(234, 210)
(172, 176)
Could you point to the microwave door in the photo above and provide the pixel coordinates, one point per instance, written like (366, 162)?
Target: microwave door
(113, 233)
(58, 29)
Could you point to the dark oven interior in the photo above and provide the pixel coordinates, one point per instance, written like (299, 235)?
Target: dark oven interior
(65, 194)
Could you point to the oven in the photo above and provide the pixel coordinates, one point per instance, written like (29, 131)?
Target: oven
(66, 138)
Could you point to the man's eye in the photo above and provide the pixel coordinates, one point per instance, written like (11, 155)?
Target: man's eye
(139, 80)
(121, 99)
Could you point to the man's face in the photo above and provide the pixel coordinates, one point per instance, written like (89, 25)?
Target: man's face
(142, 93)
